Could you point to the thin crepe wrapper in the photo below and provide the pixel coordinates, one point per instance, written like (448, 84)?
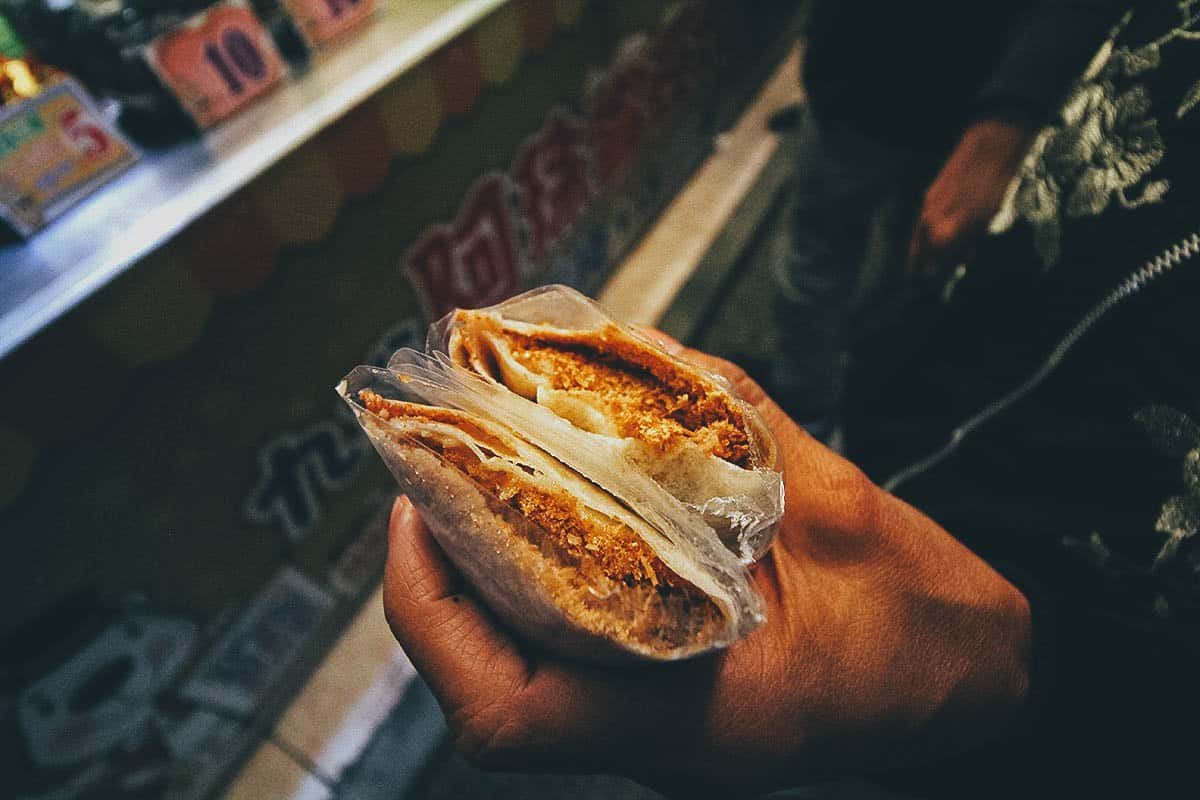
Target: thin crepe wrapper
(749, 503)
(682, 536)
(463, 522)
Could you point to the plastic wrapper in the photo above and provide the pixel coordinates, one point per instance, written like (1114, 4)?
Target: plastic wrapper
(602, 496)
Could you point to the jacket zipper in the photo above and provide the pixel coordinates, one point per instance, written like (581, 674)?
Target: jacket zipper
(1153, 269)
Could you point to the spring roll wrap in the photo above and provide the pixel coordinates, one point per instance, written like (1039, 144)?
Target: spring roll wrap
(603, 497)
(681, 425)
(554, 557)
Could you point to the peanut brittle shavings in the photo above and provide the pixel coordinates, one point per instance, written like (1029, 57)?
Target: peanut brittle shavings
(579, 536)
(648, 399)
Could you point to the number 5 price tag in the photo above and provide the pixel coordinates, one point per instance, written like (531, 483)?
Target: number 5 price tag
(322, 20)
(54, 149)
(217, 61)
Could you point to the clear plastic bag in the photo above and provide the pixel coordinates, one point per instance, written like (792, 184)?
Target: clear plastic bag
(703, 517)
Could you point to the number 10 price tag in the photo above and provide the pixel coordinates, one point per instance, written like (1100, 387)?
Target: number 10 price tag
(217, 61)
(322, 20)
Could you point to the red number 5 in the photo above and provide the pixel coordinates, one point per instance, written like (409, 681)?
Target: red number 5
(84, 134)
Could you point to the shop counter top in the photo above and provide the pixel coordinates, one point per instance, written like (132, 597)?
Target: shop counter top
(98, 239)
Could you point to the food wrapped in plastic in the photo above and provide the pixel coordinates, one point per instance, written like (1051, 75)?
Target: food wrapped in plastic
(602, 495)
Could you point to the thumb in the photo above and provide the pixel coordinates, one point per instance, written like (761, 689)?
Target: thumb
(450, 637)
(663, 340)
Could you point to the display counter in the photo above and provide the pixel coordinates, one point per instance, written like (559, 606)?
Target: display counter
(113, 229)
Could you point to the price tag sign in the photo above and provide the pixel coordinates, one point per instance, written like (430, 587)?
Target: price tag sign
(322, 20)
(54, 149)
(217, 61)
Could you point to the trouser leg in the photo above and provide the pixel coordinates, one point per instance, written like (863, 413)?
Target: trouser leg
(841, 183)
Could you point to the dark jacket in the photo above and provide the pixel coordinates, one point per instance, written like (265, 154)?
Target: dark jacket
(914, 73)
(1065, 369)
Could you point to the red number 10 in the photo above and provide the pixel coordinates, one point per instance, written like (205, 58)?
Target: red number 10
(235, 58)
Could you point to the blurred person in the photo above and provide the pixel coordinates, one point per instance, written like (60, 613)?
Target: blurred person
(918, 117)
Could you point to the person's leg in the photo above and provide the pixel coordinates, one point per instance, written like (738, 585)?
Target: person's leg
(841, 184)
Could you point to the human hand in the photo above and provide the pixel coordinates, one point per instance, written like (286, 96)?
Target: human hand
(887, 643)
(966, 194)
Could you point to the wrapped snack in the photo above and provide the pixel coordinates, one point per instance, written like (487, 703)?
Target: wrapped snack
(602, 495)
(679, 424)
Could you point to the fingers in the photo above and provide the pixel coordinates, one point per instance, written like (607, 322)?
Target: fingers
(631, 718)
(468, 661)
(746, 387)
(966, 194)
(915, 260)
(823, 488)
(665, 341)
(417, 570)
(938, 245)
(506, 712)
(749, 390)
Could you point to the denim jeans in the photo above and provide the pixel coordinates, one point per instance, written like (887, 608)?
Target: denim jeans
(853, 205)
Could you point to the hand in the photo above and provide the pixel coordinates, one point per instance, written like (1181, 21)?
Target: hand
(966, 194)
(886, 643)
